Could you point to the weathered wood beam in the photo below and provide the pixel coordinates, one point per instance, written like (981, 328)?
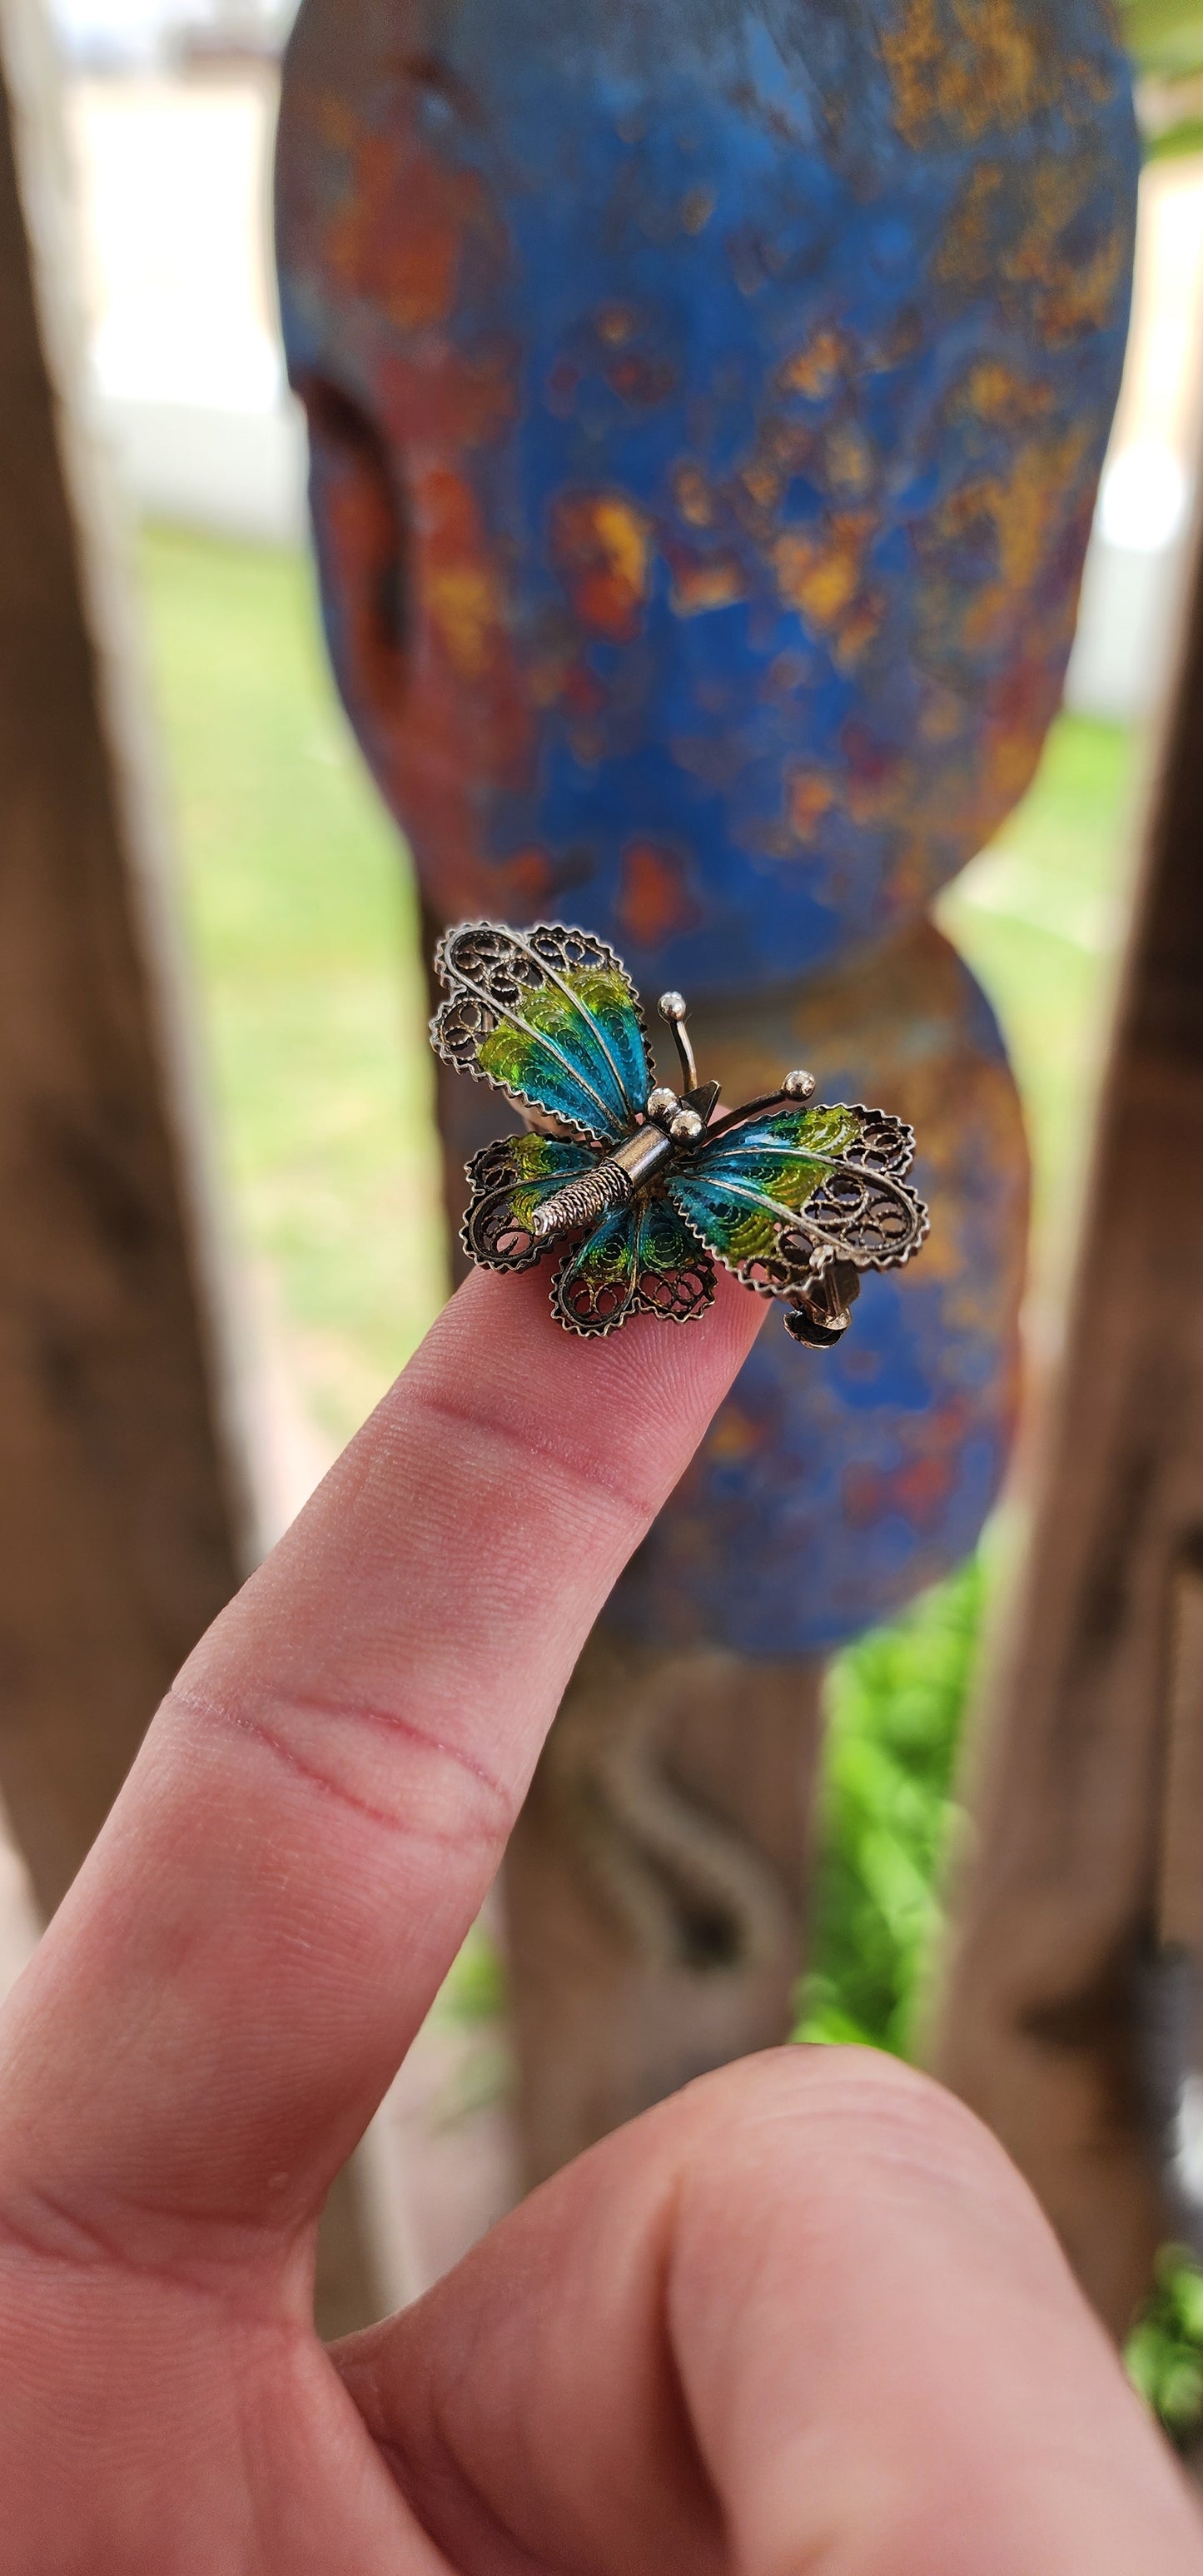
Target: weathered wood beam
(125, 1522)
(122, 1529)
(1058, 1906)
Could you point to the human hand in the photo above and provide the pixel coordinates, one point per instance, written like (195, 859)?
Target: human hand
(802, 2317)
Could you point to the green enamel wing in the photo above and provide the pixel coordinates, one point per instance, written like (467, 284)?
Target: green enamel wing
(644, 1187)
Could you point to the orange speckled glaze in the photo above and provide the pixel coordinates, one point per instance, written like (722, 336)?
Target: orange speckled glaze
(788, 333)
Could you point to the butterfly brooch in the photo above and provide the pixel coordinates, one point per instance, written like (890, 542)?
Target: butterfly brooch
(647, 1187)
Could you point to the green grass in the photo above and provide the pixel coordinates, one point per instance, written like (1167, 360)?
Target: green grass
(1039, 917)
(299, 904)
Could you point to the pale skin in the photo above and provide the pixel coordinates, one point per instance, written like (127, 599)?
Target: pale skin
(804, 2320)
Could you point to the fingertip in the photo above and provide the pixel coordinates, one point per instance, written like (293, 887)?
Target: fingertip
(499, 1330)
(502, 1302)
(861, 2131)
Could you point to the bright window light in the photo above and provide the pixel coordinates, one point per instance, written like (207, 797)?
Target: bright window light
(1144, 496)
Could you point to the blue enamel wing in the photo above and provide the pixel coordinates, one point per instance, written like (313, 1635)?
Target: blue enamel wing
(646, 1187)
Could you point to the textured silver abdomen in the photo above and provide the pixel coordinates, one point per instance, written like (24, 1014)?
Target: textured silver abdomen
(585, 1201)
(582, 1202)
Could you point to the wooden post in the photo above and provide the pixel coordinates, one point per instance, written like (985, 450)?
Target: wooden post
(125, 1521)
(1060, 1899)
(121, 1528)
(656, 1883)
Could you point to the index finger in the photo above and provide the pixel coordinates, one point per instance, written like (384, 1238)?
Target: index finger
(323, 1800)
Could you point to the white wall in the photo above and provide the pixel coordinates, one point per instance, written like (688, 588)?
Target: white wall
(1137, 562)
(173, 184)
(239, 473)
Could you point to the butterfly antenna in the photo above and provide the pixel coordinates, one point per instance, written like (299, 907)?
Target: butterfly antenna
(797, 1086)
(674, 1008)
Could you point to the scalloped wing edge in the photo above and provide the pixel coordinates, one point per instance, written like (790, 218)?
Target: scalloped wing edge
(906, 1136)
(521, 1099)
(637, 1303)
(568, 930)
(765, 1288)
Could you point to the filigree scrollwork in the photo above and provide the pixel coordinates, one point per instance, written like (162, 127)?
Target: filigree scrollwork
(885, 1143)
(781, 1272)
(869, 1217)
(869, 1220)
(504, 966)
(567, 951)
(463, 1024)
(678, 1295)
(493, 1233)
(500, 966)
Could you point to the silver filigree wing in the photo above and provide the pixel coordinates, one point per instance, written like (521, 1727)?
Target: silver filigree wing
(641, 1260)
(767, 1195)
(550, 1017)
(509, 1180)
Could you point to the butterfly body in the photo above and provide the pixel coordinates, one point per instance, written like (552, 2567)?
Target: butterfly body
(646, 1188)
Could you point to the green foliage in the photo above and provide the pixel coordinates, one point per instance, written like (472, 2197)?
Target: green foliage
(1174, 141)
(1165, 40)
(1164, 37)
(1038, 916)
(1165, 2349)
(475, 1989)
(895, 1703)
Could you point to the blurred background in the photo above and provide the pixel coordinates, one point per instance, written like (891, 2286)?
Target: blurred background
(304, 937)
